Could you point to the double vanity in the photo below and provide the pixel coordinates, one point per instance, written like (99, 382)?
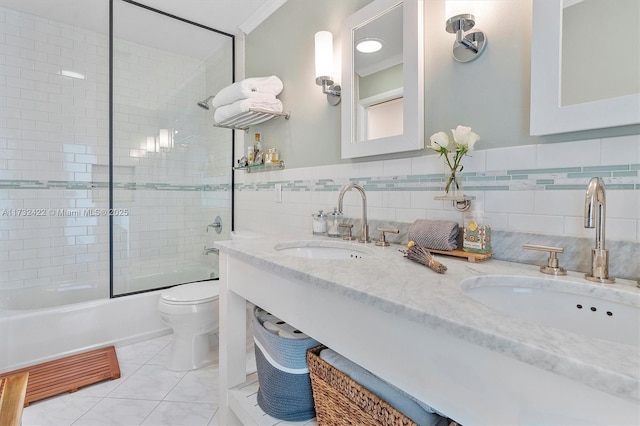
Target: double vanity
(484, 343)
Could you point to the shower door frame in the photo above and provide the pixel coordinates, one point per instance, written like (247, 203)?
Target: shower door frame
(111, 154)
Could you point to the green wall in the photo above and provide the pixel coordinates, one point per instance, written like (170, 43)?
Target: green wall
(490, 94)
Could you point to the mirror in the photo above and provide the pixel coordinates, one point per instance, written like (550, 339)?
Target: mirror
(382, 91)
(584, 65)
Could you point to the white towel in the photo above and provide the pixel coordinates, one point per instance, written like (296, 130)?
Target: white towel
(238, 107)
(247, 88)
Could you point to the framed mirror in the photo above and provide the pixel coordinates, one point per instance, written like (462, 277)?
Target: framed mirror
(584, 65)
(382, 90)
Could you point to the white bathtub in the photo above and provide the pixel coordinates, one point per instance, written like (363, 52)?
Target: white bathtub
(31, 336)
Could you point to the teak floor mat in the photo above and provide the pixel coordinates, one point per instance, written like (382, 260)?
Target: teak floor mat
(68, 374)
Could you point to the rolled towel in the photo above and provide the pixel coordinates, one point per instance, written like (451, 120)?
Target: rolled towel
(249, 87)
(434, 234)
(238, 107)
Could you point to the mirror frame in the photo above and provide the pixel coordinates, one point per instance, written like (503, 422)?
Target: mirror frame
(412, 74)
(547, 114)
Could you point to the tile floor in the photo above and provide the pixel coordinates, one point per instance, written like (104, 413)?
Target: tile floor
(147, 393)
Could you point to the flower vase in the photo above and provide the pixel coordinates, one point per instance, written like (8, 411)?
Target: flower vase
(453, 182)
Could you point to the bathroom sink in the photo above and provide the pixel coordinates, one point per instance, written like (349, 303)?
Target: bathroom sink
(585, 309)
(323, 250)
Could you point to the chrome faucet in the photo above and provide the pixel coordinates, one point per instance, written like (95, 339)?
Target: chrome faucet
(364, 234)
(594, 217)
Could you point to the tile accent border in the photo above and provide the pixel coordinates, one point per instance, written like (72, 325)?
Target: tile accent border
(616, 177)
(131, 186)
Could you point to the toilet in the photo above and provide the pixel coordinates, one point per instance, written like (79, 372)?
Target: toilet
(192, 311)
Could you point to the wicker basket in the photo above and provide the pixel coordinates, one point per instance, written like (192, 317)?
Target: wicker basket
(341, 401)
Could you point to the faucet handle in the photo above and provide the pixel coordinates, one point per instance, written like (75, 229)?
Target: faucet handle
(552, 267)
(382, 241)
(349, 227)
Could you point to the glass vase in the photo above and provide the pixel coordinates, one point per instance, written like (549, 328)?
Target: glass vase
(453, 182)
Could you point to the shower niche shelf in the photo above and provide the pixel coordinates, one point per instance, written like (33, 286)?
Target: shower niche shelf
(245, 120)
(265, 167)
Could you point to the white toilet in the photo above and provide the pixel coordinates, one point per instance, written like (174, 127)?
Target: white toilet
(192, 311)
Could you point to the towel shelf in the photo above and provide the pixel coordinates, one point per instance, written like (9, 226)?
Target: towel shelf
(245, 120)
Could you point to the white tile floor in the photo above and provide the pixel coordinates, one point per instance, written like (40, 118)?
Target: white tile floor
(147, 393)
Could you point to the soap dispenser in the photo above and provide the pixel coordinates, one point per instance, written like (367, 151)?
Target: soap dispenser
(333, 223)
(477, 233)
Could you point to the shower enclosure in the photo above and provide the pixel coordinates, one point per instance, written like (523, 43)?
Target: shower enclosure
(112, 178)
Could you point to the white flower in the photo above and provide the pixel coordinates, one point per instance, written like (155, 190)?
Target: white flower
(464, 136)
(439, 140)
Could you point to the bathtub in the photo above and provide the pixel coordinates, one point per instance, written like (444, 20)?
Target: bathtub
(39, 334)
(33, 336)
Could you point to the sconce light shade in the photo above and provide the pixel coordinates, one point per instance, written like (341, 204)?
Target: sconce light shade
(324, 54)
(324, 66)
(469, 44)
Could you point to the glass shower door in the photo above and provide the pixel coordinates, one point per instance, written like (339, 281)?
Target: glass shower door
(171, 169)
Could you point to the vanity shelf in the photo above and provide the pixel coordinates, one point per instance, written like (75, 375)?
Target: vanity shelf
(245, 120)
(265, 167)
(460, 202)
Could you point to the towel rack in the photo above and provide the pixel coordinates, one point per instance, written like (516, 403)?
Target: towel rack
(250, 118)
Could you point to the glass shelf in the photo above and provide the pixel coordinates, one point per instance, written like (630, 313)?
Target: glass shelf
(265, 167)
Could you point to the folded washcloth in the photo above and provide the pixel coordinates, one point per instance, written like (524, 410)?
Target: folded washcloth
(247, 88)
(416, 410)
(434, 234)
(238, 107)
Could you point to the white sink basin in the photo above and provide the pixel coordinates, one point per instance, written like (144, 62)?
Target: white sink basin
(323, 250)
(585, 309)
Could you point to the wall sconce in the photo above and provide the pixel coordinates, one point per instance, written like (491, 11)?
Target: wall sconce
(469, 44)
(324, 66)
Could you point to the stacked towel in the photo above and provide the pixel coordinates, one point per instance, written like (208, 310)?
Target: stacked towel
(227, 111)
(256, 92)
(250, 87)
(434, 234)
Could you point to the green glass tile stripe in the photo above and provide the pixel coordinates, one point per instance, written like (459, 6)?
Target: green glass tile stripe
(519, 177)
(634, 166)
(588, 174)
(480, 178)
(19, 181)
(619, 186)
(631, 173)
(505, 177)
(565, 187)
(598, 169)
(544, 181)
(486, 188)
(544, 171)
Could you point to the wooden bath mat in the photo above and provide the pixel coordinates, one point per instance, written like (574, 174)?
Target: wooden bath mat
(69, 374)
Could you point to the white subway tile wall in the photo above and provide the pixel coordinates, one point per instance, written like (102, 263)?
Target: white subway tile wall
(54, 156)
(535, 188)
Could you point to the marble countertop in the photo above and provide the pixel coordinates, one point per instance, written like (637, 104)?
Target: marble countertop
(388, 281)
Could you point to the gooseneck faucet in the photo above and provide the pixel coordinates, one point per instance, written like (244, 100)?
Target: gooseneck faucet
(364, 234)
(594, 217)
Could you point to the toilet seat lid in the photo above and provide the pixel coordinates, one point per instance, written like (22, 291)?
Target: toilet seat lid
(200, 292)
